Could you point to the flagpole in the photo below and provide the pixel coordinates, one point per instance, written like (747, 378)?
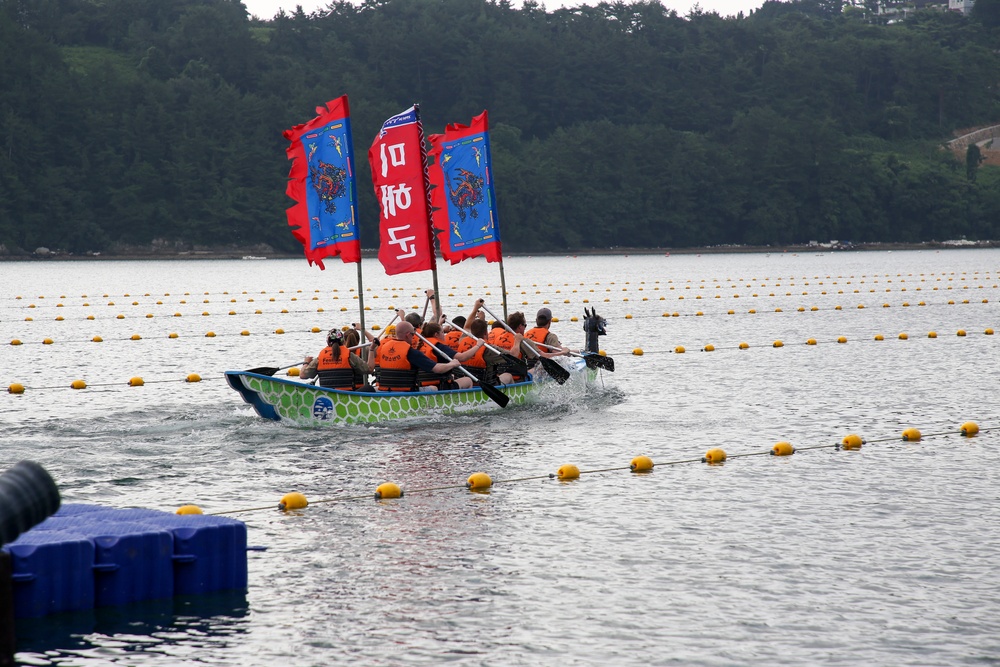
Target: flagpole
(361, 297)
(427, 203)
(503, 288)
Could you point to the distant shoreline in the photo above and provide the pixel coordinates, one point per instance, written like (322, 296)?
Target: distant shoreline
(230, 254)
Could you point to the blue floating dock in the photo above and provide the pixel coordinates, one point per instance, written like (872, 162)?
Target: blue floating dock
(89, 556)
(52, 572)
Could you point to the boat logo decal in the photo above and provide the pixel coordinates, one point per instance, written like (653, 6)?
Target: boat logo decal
(322, 407)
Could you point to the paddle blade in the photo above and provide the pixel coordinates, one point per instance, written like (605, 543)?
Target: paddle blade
(555, 371)
(517, 366)
(264, 370)
(498, 396)
(600, 361)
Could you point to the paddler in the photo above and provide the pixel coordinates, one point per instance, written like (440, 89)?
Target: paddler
(540, 334)
(336, 365)
(397, 362)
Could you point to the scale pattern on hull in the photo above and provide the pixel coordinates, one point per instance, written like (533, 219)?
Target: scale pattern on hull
(305, 404)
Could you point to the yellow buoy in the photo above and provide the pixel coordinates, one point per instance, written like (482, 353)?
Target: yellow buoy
(932, 334)
(911, 434)
(637, 351)
(97, 339)
(842, 339)
(210, 334)
(15, 388)
(78, 384)
(478, 481)
(709, 348)
(988, 332)
(641, 464)
(293, 501)
(679, 349)
(811, 341)
(136, 337)
(969, 429)
(315, 329)
(852, 441)
(136, 382)
(189, 509)
(279, 331)
(903, 336)
(778, 343)
(294, 371)
(47, 341)
(173, 335)
(568, 471)
(244, 333)
(59, 318)
(879, 337)
(744, 346)
(388, 490)
(961, 332)
(193, 377)
(782, 449)
(715, 455)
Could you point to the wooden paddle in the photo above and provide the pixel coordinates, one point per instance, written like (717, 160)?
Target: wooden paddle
(557, 372)
(498, 396)
(592, 359)
(271, 370)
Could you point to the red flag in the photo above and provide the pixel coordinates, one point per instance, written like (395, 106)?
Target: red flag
(321, 181)
(398, 162)
(465, 211)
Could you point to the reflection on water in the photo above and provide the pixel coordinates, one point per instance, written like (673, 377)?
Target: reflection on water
(879, 556)
(156, 627)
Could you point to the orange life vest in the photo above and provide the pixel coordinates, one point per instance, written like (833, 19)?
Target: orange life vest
(493, 335)
(537, 334)
(399, 375)
(335, 373)
(424, 378)
(476, 361)
(452, 338)
(505, 340)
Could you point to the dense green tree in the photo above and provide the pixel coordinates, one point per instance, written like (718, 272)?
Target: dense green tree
(133, 122)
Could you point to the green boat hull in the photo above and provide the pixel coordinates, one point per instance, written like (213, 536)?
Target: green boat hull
(309, 405)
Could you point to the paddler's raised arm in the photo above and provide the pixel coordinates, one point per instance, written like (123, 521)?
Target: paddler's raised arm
(437, 305)
(475, 312)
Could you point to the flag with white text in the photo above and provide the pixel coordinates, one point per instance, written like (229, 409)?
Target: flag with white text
(398, 161)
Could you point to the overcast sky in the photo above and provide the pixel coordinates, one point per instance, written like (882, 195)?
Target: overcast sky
(266, 9)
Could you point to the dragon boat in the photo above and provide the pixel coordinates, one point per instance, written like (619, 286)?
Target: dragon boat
(304, 404)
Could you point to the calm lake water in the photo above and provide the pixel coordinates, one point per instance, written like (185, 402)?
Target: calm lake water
(883, 556)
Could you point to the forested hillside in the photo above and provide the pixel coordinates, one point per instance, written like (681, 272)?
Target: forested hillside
(139, 122)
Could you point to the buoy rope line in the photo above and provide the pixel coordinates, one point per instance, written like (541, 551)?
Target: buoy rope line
(18, 388)
(61, 302)
(811, 342)
(628, 316)
(481, 482)
(376, 327)
(717, 281)
(136, 337)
